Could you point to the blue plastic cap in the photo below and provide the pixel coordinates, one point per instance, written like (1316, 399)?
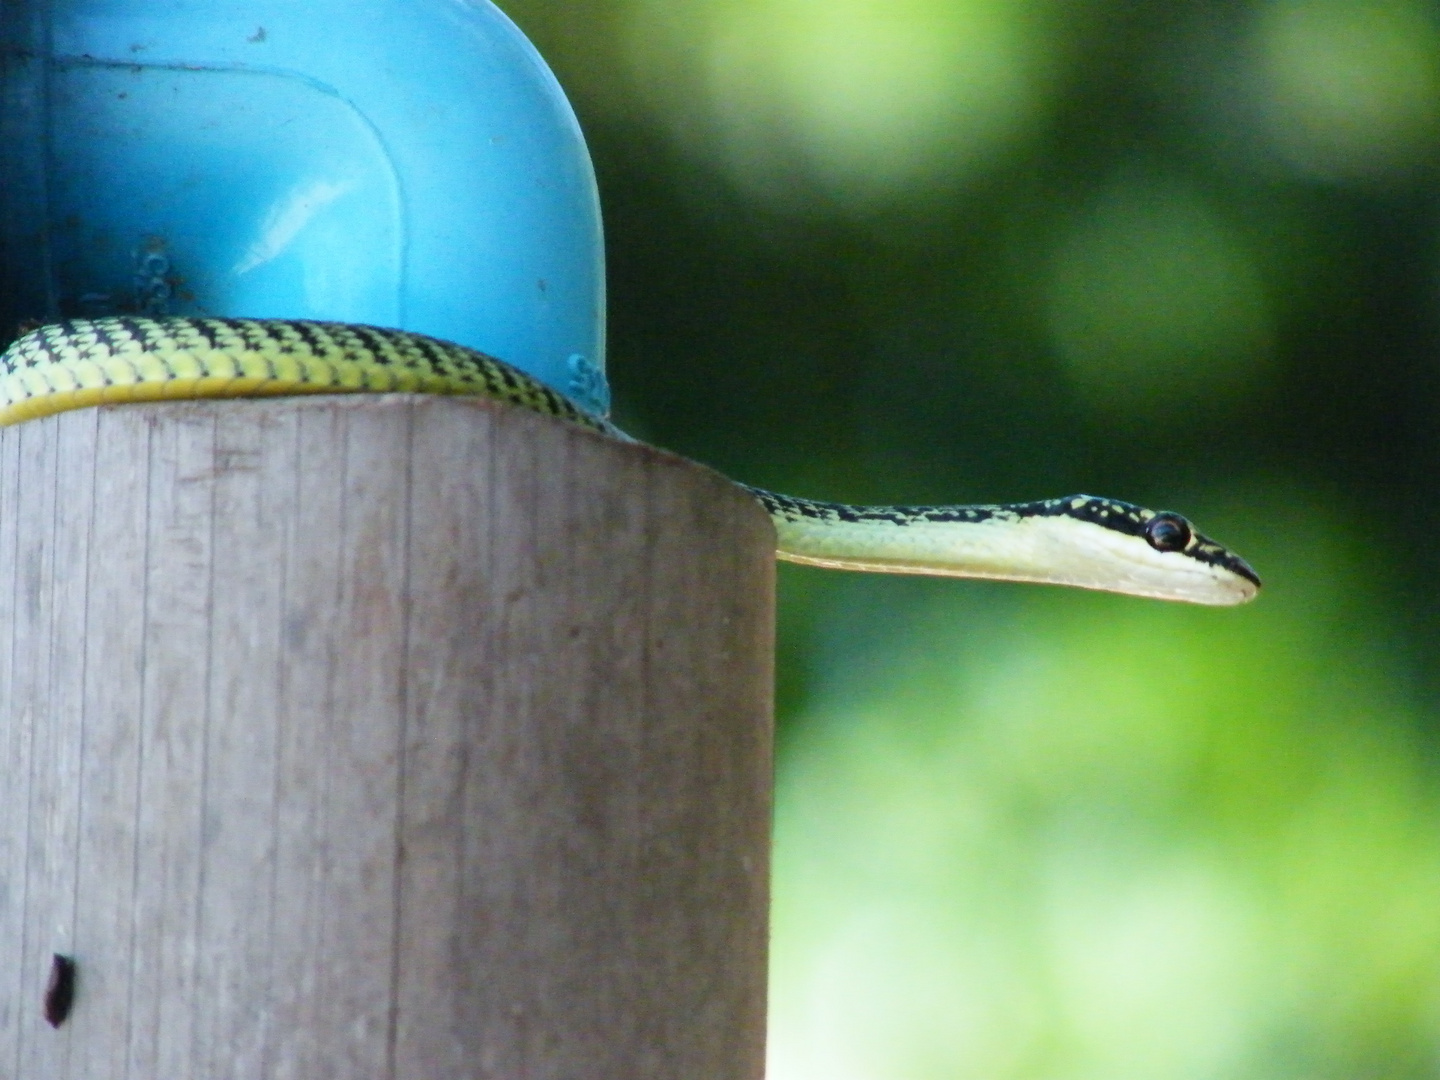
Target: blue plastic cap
(406, 163)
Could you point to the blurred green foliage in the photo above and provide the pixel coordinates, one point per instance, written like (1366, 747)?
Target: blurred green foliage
(976, 250)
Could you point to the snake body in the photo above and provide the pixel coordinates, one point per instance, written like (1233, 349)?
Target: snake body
(1078, 540)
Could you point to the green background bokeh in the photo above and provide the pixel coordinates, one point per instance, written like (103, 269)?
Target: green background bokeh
(1185, 254)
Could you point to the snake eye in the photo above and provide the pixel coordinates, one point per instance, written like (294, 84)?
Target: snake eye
(1168, 532)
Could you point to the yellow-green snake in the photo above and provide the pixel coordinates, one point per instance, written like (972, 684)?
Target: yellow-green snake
(1078, 540)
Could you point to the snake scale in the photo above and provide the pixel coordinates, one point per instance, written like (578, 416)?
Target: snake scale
(1078, 540)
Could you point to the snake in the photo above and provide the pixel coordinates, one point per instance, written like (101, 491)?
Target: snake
(1077, 540)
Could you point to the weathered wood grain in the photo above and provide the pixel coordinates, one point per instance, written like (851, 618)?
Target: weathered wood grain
(379, 737)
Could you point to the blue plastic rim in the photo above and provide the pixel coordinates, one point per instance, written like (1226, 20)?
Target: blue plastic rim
(405, 163)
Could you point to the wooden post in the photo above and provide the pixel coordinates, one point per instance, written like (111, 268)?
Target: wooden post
(400, 737)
